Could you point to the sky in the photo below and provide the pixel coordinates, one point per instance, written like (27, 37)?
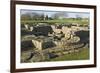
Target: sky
(50, 13)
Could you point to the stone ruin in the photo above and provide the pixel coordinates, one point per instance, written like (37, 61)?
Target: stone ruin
(69, 43)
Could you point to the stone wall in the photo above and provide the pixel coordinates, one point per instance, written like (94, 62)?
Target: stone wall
(38, 44)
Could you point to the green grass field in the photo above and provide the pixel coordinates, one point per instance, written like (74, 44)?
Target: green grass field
(79, 21)
(82, 55)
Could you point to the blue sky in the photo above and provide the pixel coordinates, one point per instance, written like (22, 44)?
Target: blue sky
(50, 13)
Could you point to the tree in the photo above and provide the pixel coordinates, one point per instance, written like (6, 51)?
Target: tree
(25, 17)
(78, 16)
(60, 15)
(42, 16)
(46, 17)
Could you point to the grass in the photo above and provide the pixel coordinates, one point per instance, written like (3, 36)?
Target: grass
(82, 55)
(56, 21)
